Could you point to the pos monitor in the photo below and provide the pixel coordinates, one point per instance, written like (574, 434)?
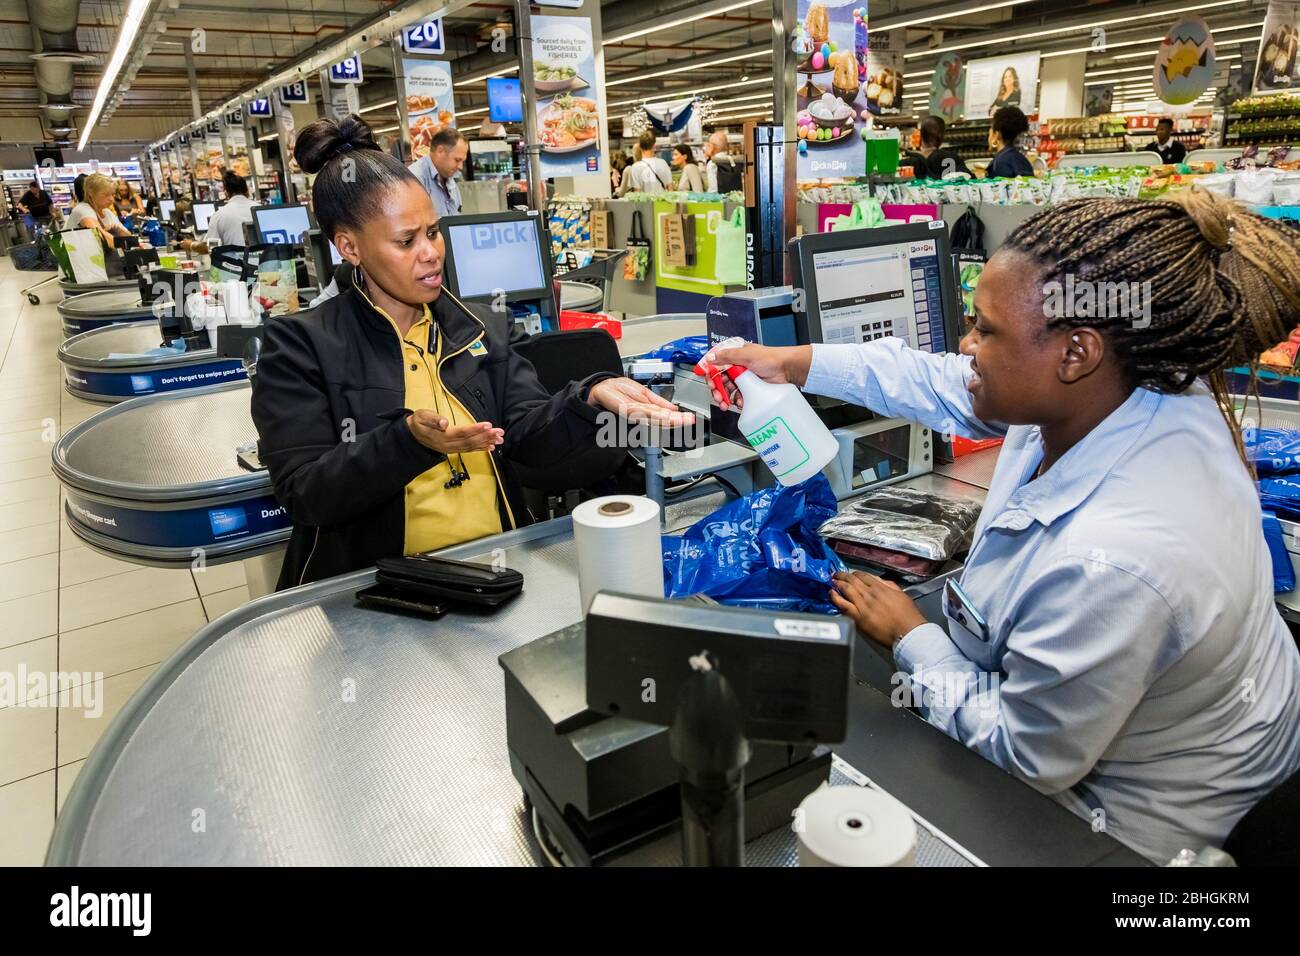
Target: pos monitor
(282, 225)
(495, 253)
(202, 214)
(864, 284)
(166, 209)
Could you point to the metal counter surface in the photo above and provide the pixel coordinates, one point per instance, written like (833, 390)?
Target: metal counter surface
(301, 729)
(118, 301)
(580, 296)
(77, 288)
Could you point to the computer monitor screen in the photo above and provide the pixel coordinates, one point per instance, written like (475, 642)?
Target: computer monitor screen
(283, 225)
(166, 208)
(505, 101)
(497, 253)
(202, 213)
(870, 283)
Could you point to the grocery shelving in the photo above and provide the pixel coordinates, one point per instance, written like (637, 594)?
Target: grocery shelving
(1263, 121)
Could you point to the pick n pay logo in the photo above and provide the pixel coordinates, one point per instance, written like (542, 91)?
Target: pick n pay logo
(490, 235)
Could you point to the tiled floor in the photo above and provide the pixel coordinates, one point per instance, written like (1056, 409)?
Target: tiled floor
(64, 607)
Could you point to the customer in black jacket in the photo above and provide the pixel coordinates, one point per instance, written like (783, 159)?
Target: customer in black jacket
(389, 416)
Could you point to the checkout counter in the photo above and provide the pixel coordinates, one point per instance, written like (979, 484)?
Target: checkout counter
(97, 310)
(118, 362)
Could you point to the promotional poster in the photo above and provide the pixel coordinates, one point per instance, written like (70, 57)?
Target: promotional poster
(998, 81)
(884, 89)
(834, 64)
(948, 88)
(569, 122)
(429, 102)
(1278, 69)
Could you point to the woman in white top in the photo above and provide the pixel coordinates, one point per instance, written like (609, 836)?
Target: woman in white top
(649, 174)
(96, 210)
(692, 180)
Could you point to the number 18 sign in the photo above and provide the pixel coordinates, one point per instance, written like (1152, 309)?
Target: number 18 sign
(346, 71)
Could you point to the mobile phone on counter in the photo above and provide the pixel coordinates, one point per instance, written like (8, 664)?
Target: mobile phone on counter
(385, 597)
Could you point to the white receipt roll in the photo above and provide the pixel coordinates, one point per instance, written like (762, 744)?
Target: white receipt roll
(618, 547)
(854, 826)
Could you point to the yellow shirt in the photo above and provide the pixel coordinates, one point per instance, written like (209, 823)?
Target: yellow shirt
(437, 516)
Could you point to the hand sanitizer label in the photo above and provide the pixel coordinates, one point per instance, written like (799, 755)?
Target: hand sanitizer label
(778, 446)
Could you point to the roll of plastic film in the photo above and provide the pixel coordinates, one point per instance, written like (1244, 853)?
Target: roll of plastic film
(854, 826)
(618, 547)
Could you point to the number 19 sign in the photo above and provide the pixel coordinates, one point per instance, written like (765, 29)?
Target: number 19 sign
(346, 71)
(423, 37)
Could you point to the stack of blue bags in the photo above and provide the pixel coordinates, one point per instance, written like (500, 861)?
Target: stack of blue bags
(1275, 453)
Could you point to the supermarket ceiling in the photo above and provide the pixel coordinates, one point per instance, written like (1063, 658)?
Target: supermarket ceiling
(653, 48)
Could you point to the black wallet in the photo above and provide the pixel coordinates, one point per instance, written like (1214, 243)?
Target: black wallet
(459, 581)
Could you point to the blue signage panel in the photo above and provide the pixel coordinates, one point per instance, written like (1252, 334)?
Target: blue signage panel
(186, 528)
(295, 92)
(346, 71)
(424, 37)
(260, 106)
(126, 384)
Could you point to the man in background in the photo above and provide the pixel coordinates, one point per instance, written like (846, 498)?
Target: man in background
(723, 173)
(436, 172)
(1170, 150)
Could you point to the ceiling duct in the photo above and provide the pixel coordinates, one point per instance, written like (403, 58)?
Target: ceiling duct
(55, 50)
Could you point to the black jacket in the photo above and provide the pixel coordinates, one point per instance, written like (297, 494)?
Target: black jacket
(341, 363)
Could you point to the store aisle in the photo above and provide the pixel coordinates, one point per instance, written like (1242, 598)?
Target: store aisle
(101, 625)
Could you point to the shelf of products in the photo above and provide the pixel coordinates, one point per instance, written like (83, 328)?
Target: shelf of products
(1263, 121)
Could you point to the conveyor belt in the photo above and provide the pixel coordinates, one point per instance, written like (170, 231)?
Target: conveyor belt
(94, 310)
(108, 364)
(153, 479)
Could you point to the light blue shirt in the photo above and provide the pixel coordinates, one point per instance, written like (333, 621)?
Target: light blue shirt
(1136, 667)
(444, 192)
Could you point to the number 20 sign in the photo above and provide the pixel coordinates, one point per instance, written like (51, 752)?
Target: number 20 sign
(423, 37)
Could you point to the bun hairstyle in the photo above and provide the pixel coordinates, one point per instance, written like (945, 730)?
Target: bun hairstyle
(351, 171)
(1224, 283)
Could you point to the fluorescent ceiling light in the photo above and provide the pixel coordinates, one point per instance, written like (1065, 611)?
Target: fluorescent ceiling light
(480, 109)
(125, 37)
(469, 129)
(378, 106)
(388, 129)
(1078, 28)
(747, 55)
(681, 21)
(679, 94)
(1130, 56)
(481, 79)
(935, 17)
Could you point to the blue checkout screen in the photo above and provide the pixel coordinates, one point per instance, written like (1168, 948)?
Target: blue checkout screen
(283, 226)
(496, 256)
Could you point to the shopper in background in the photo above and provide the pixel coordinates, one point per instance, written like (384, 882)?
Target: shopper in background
(36, 207)
(79, 188)
(96, 211)
(390, 415)
(689, 178)
(436, 172)
(723, 173)
(126, 201)
(1170, 150)
(939, 160)
(226, 227)
(1113, 639)
(1009, 124)
(649, 174)
(617, 165)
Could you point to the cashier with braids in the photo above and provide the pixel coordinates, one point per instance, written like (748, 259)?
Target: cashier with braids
(1113, 639)
(390, 415)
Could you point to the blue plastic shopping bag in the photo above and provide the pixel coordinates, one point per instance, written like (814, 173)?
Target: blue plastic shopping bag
(760, 551)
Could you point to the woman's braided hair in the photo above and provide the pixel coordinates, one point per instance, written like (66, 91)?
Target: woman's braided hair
(1224, 282)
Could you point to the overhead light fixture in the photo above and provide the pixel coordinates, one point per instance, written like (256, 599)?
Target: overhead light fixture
(678, 21)
(480, 79)
(378, 106)
(125, 38)
(935, 17)
(747, 55)
(388, 129)
(678, 94)
(1078, 28)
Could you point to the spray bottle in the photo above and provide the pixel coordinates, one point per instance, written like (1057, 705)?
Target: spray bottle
(777, 421)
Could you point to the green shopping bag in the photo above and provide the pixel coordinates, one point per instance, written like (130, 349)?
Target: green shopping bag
(55, 241)
(729, 249)
(866, 214)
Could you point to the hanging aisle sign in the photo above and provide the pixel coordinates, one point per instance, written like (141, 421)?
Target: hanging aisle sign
(998, 81)
(1185, 63)
(260, 106)
(424, 37)
(346, 71)
(948, 88)
(295, 92)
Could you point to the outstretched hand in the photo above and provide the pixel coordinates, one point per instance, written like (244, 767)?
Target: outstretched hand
(637, 403)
